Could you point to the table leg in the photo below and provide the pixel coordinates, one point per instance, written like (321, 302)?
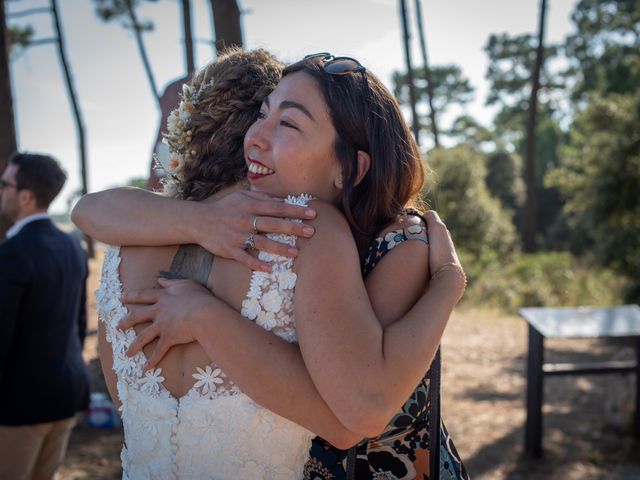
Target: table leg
(533, 427)
(636, 419)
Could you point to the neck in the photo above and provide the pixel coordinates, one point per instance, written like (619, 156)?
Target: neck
(28, 212)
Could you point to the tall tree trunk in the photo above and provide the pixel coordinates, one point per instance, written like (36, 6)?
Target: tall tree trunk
(74, 104)
(188, 36)
(226, 23)
(427, 73)
(8, 130)
(137, 32)
(530, 225)
(415, 124)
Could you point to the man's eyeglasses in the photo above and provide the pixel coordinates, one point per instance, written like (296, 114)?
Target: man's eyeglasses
(4, 184)
(338, 65)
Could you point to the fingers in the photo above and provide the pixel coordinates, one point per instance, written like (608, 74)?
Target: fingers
(442, 248)
(277, 248)
(252, 262)
(143, 338)
(137, 316)
(145, 296)
(434, 221)
(158, 354)
(273, 208)
(279, 225)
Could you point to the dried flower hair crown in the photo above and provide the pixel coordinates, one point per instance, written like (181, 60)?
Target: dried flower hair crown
(179, 133)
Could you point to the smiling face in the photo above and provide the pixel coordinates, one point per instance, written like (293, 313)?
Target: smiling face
(290, 150)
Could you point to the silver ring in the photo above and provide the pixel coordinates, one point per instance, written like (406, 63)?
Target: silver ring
(249, 242)
(255, 224)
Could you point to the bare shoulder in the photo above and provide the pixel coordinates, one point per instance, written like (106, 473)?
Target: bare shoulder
(329, 222)
(401, 275)
(332, 239)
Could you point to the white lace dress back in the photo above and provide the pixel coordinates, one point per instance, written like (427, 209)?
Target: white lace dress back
(214, 431)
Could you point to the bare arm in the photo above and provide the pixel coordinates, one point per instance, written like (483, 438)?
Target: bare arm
(268, 369)
(121, 216)
(272, 372)
(363, 370)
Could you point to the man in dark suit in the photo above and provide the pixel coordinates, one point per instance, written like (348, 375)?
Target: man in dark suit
(43, 272)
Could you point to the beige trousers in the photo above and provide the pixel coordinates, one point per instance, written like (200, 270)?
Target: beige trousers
(33, 452)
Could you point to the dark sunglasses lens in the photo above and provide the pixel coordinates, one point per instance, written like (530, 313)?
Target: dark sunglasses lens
(342, 66)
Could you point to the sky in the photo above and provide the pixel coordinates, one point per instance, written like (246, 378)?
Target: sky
(119, 112)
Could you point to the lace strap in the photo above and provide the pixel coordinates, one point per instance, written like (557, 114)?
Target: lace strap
(111, 311)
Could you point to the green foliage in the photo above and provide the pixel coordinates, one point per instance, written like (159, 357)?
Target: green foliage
(476, 220)
(466, 129)
(504, 179)
(20, 36)
(123, 10)
(543, 279)
(450, 87)
(605, 50)
(600, 179)
(511, 61)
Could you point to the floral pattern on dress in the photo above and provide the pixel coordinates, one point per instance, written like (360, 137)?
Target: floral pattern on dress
(214, 430)
(401, 451)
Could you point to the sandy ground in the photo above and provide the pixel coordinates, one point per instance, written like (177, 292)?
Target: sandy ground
(587, 419)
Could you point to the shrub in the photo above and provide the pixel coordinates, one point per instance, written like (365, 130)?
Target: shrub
(543, 279)
(458, 191)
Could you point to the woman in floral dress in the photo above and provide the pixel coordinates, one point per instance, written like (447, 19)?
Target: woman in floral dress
(179, 307)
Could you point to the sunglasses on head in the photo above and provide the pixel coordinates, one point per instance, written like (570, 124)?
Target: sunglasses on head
(337, 65)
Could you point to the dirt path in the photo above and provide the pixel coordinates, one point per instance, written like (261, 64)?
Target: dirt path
(482, 404)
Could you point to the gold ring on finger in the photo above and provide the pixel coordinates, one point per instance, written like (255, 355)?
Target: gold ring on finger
(255, 224)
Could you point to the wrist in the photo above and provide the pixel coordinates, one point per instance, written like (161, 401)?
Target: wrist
(188, 214)
(202, 318)
(452, 278)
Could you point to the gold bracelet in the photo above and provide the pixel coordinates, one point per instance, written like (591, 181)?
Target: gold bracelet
(450, 266)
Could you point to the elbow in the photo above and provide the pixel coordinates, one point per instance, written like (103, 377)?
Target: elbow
(368, 418)
(343, 438)
(78, 216)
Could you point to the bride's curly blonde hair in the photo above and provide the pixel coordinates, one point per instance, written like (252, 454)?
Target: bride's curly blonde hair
(206, 132)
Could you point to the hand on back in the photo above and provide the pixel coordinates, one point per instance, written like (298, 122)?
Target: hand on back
(229, 225)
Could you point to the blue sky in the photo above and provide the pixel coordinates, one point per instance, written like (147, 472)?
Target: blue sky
(120, 115)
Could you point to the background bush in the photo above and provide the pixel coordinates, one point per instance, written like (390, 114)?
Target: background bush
(540, 279)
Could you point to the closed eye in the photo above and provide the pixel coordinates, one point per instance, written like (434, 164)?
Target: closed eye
(285, 123)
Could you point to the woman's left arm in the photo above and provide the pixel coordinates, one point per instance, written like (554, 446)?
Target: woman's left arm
(363, 370)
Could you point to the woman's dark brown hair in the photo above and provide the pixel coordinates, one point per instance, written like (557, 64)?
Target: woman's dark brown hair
(367, 117)
(232, 89)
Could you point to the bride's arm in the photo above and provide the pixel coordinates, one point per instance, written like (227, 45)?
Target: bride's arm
(272, 371)
(267, 368)
(121, 216)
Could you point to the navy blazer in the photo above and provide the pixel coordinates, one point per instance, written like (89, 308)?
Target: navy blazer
(43, 378)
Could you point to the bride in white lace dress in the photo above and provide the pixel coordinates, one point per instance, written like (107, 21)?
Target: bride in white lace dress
(212, 430)
(184, 417)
